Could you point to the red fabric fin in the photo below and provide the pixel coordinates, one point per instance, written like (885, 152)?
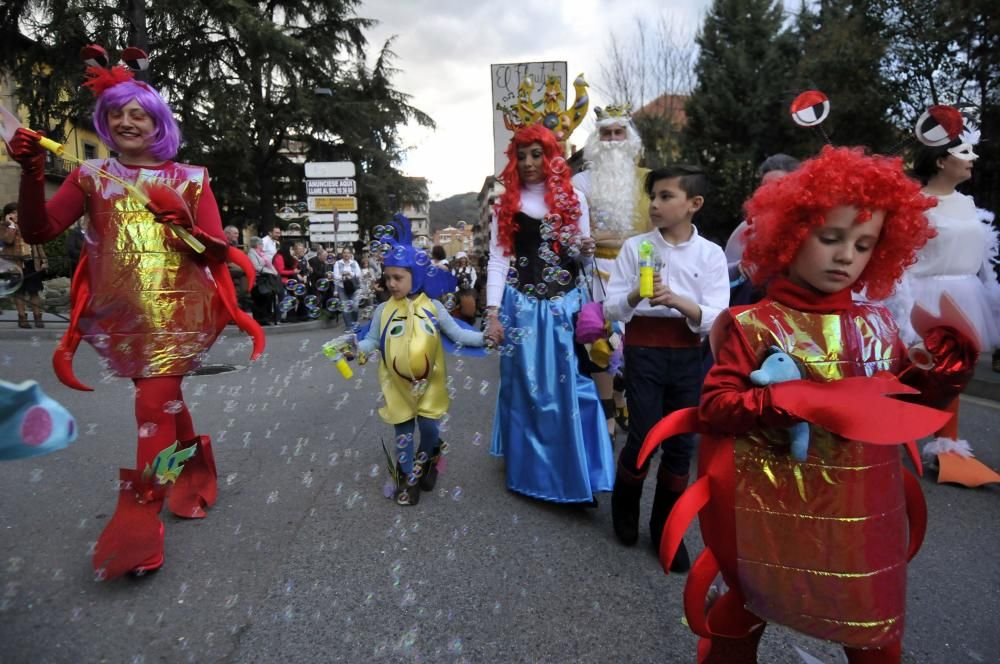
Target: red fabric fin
(62, 359)
(916, 512)
(163, 198)
(227, 291)
(234, 255)
(677, 422)
(683, 513)
(696, 590)
(911, 449)
(835, 405)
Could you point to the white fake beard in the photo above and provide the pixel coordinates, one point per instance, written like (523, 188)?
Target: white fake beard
(612, 185)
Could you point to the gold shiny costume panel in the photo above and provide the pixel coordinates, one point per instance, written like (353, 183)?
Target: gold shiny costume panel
(821, 544)
(412, 371)
(153, 308)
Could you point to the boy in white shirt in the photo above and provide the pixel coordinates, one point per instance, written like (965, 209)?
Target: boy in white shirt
(663, 334)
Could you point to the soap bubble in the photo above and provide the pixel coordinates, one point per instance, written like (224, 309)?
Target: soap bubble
(422, 259)
(333, 304)
(287, 304)
(11, 277)
(173, 407)
(322, 284)
(300, 289)
(290, 285)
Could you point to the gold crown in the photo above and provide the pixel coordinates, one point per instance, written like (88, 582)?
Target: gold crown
(623, 111)
(549, 111)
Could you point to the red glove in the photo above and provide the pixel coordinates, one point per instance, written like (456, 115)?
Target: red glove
(168, 207)
(25, 150)
(954, 357)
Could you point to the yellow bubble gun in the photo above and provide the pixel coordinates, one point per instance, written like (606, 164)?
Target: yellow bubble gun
(336, 350)
(59, 150)
(646, 267)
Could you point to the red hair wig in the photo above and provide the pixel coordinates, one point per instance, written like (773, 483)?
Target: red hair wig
(559, 193)
(782, 213)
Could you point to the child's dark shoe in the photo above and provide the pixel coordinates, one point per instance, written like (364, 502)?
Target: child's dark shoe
(408, 494)
(429, 477)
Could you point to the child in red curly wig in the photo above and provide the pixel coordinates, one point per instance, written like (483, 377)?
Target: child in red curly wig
(821, 545)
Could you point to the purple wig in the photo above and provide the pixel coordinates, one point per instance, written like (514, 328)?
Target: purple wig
(167, 136)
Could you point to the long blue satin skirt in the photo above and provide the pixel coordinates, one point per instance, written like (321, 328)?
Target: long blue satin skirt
(549, 423)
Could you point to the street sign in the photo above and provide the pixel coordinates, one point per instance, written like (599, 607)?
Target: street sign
(333, 228)
(332, 187)
(333, 237)
(329, 169)
(328, 217)
(327, 203)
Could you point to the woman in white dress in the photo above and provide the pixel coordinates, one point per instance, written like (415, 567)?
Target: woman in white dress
(959, 262)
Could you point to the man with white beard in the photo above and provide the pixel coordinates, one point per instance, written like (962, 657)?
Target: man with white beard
(619, 208)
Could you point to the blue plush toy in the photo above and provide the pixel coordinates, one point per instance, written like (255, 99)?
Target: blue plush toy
(779, 367)
(32, 423)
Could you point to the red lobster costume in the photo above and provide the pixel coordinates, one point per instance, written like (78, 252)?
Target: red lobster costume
(151, 307)
(820, 546)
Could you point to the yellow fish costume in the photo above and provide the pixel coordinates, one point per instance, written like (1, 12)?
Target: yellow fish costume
(412, 370)
(410, 333)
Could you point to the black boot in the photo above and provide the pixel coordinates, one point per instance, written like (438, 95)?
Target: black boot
(407, 488)
(429, 477)
(669, 488)
(625, 504)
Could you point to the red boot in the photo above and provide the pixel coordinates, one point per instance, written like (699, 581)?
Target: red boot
(735, 633)
(133, 539)
(196, 487)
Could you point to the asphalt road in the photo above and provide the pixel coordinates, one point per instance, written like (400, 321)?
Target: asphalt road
(304, 560)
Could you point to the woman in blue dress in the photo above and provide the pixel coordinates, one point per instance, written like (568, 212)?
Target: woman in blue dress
(549, 423)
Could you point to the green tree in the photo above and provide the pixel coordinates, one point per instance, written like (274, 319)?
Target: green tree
(843, 47)
(738, 112)
(948, 52)
(241, 78)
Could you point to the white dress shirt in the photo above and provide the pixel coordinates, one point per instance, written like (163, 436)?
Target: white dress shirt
(269, 246)
(695, 269)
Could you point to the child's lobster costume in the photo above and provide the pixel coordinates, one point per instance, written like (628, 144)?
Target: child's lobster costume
(149, 305)
(820, 546)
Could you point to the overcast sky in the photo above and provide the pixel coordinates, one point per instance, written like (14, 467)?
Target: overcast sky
(445, 50)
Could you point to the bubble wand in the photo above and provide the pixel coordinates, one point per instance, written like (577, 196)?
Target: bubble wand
(9, 124)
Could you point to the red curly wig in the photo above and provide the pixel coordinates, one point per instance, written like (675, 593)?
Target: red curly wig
(557, 179)
(782, 213)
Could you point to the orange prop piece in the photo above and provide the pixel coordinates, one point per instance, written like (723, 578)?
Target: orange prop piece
(968, 471)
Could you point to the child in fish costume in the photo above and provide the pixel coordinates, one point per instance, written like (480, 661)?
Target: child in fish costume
(408, 331)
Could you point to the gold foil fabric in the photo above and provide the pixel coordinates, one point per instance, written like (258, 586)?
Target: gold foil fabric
(821, 545)
(153, 308)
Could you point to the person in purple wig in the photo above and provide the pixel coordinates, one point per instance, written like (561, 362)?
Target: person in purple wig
(166, 136)
(150, 303)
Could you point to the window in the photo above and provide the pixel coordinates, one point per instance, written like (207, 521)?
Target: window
(89, 151)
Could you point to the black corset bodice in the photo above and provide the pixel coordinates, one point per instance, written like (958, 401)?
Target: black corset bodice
(530, 266)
